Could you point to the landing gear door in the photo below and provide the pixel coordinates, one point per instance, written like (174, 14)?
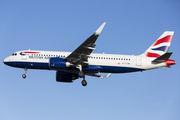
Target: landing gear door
(138, 61)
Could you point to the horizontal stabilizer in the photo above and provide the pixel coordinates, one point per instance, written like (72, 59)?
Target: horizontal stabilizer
(163, 58)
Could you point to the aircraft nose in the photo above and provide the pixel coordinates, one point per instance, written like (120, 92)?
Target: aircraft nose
(5, 61)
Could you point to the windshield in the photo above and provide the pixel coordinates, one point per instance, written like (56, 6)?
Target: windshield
(14, 54)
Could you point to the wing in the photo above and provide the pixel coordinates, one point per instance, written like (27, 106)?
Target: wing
(81, 54)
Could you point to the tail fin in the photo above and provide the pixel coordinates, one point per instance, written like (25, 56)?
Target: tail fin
(160, 46)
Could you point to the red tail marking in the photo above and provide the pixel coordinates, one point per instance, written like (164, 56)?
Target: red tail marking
(164, 39)
(148, 54)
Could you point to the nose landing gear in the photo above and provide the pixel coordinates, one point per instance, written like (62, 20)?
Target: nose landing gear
(24, 75)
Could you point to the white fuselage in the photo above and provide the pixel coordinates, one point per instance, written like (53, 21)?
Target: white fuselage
(110, 63)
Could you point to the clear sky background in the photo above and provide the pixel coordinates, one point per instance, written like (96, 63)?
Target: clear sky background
(55, 25)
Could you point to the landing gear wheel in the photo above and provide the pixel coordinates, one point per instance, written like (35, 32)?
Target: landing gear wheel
(83, 82)
(24, 75)
(81, 74)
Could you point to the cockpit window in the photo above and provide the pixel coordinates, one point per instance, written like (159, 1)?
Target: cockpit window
(14, 54)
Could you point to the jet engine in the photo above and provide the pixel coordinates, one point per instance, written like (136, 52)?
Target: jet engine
(65, 77)
(58, 63)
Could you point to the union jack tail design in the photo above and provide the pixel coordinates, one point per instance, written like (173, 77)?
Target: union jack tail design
(160, 46)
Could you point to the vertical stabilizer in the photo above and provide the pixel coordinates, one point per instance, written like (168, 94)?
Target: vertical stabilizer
(160, 46)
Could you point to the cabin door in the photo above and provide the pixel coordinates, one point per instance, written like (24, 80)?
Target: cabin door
(138, 61)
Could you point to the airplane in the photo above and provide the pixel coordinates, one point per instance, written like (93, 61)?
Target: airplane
(70, 66)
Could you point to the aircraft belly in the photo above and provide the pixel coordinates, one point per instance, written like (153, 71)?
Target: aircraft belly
(118, 69)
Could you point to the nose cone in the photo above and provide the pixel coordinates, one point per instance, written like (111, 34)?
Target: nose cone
(6, 60)
(170, 62)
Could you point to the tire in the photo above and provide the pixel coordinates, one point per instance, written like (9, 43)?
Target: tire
(24, 75)
(81, 74)
(83, 82)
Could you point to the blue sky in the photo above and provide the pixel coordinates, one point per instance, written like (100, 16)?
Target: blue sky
(132, 26)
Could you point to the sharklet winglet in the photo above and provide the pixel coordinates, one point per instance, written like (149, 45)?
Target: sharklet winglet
(98, 31)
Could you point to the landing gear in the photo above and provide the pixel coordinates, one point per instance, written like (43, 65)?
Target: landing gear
(81, 74)
(25, 71)
(24, 75)
(84, 82)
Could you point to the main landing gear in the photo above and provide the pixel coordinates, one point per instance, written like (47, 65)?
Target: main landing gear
(82, 75)
(83, 82)
(24, 75)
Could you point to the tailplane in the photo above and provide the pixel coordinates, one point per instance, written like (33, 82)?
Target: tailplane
(160, 46)
(163, 58)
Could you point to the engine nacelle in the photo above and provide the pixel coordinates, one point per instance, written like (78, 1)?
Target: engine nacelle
(65, 77)
(58, 63)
